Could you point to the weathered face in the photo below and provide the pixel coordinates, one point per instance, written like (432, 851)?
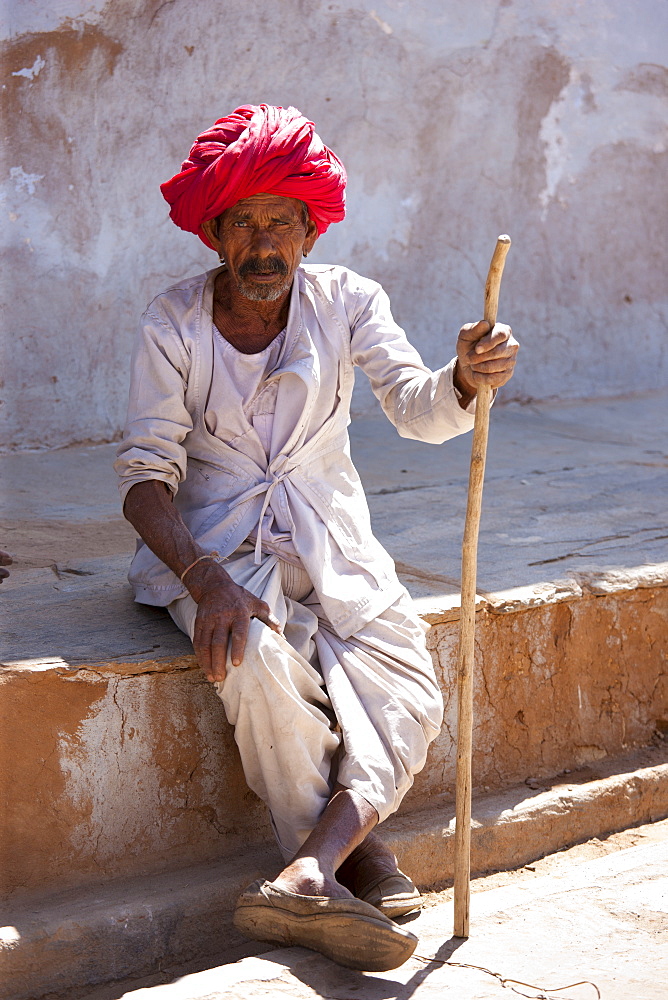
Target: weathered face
(262, 239)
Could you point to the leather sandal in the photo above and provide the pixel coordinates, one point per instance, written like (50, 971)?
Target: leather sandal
(348, 931)
(394, 895)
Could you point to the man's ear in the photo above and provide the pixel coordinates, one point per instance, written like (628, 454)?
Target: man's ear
(210, 230)
(311, 236)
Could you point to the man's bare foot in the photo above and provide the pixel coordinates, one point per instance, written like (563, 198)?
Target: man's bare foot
(368, 863)
(344, 824)
(304, 876)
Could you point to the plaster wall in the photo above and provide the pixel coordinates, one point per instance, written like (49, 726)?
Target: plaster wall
(456, 121)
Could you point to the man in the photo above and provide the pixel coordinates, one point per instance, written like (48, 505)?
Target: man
(235, 471)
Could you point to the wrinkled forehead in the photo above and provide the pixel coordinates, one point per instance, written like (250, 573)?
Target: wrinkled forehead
(267, 205)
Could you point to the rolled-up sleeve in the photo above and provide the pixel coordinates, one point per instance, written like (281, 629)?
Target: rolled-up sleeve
(421, 404)
(157, 420)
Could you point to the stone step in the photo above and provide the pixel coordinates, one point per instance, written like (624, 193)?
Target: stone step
(131, 767)
(64, 943)
(591, 921)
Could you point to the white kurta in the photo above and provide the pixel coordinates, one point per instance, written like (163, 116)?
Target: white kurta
(215, 464)
(348, 693)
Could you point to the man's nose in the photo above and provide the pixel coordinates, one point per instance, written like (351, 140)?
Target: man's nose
(263, 243)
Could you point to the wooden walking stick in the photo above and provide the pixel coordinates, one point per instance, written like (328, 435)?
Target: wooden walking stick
(465, 656)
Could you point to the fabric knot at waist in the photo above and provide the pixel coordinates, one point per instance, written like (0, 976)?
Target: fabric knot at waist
(276, 473)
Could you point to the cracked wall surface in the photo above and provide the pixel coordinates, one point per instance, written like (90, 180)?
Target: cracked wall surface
(126, 771)
(131, 767)
(456, 122)
(555, 687)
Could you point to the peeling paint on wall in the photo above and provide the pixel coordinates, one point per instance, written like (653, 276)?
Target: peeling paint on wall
(100, 795)
(22, 17)
(455, 122)
(23, 181)
(579, 123)
(30, 72)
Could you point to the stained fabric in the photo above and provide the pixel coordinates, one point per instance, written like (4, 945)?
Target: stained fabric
(309, 708)
(257, 149)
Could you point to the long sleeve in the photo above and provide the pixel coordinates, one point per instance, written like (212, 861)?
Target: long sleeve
(421, 404)
(157, 420)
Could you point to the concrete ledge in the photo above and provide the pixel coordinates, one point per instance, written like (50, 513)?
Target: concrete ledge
(132, 769)
(513, 827)
(590, 582)
(130, 928)
(557, 685)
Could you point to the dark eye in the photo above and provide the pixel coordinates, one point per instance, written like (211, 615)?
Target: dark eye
(241, 223)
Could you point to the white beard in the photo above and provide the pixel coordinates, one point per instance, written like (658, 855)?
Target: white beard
(261, 294)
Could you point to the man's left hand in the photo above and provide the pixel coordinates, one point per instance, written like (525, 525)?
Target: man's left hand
(484, 357)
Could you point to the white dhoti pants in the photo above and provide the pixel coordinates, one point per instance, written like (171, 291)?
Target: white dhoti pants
(310, 709)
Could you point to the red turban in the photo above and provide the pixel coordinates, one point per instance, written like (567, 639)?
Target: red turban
(257, 149)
